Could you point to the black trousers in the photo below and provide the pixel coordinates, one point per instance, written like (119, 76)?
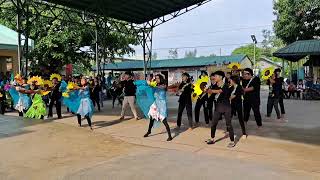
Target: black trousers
(273, 103)
(197, 108)
(188, 107)
(255, 106)
(282, 105)
(96, 100)
(58, 108)
(236, 108)
(21, 113)
(165, 123)
(2, 107)
(87, 117)
(210, 109)
(227, 115)
(114, 97)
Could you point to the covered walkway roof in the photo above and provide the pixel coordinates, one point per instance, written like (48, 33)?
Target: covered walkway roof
(299, 49)
(174, 63)
(137, 11)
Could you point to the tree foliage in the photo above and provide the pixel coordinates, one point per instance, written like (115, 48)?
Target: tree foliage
(59, 42)
(173, 54)
(248, 50)
(191, 54)
(297, 19)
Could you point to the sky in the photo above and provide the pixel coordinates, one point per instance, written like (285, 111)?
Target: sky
(218, 26)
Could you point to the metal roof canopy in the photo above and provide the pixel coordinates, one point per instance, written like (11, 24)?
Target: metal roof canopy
(137, 11)
(299, 49)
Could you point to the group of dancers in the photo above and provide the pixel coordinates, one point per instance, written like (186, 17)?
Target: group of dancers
(220, 95)
(229, 94)
(28, 96)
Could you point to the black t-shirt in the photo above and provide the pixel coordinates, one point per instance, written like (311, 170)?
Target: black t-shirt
(275, 89)
(129, 87)
(238, 93)
(186, 92)
(224, 97)
(255, 94)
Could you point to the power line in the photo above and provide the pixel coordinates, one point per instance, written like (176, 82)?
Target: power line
(213, 32)
(204, 46)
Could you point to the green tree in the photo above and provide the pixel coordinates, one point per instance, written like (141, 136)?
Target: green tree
(60, 42)
(297, 19)
(248, 50)
(191, 54)
(173, 54)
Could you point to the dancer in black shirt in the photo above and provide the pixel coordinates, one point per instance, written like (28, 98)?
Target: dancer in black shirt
(202, 101)
(222, 106)
(236, 102)
(185, 102)
(251, 87)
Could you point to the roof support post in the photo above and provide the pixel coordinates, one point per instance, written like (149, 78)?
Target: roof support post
(19, 15)
(147, 49)
(96, 54)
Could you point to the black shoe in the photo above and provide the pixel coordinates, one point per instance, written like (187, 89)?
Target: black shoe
(169, 138)
(146, 135)
(210, 141)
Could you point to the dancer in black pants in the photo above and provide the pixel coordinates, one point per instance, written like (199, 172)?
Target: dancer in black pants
(202, 101)
(96, 89)
(236, 102)
(185, 102)
(275, 89)
(55, 98)
(280, 80)
(251, 87)
(2, 101)
(222, 107)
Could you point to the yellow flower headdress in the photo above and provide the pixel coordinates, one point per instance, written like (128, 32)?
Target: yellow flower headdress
(267, 73)
(36, 79)
(55, 76)
(18, 79)
(18, 76)
(48, 82)
(234, 66)
(196, 89)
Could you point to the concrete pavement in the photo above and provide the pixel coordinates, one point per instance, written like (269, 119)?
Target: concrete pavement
(116, 149)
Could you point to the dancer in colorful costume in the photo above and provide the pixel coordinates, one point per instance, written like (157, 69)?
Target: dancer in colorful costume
(77, 99)
(158, 108)
(21, 101)
(38, 107)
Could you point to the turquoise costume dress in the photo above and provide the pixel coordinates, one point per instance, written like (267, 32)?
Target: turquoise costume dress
(86, 107)
(152, 101)
(21, 102)
(144, 96)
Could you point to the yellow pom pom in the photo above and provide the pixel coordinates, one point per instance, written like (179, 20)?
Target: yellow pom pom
(65, 94)
(71, 85)
(44, 93)
(153, 83)
(234, 66)
(197, 89)
(267, 73)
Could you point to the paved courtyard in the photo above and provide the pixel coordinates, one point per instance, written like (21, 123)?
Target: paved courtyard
(58, 149)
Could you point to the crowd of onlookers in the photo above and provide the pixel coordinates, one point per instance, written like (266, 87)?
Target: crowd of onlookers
(300, 90)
